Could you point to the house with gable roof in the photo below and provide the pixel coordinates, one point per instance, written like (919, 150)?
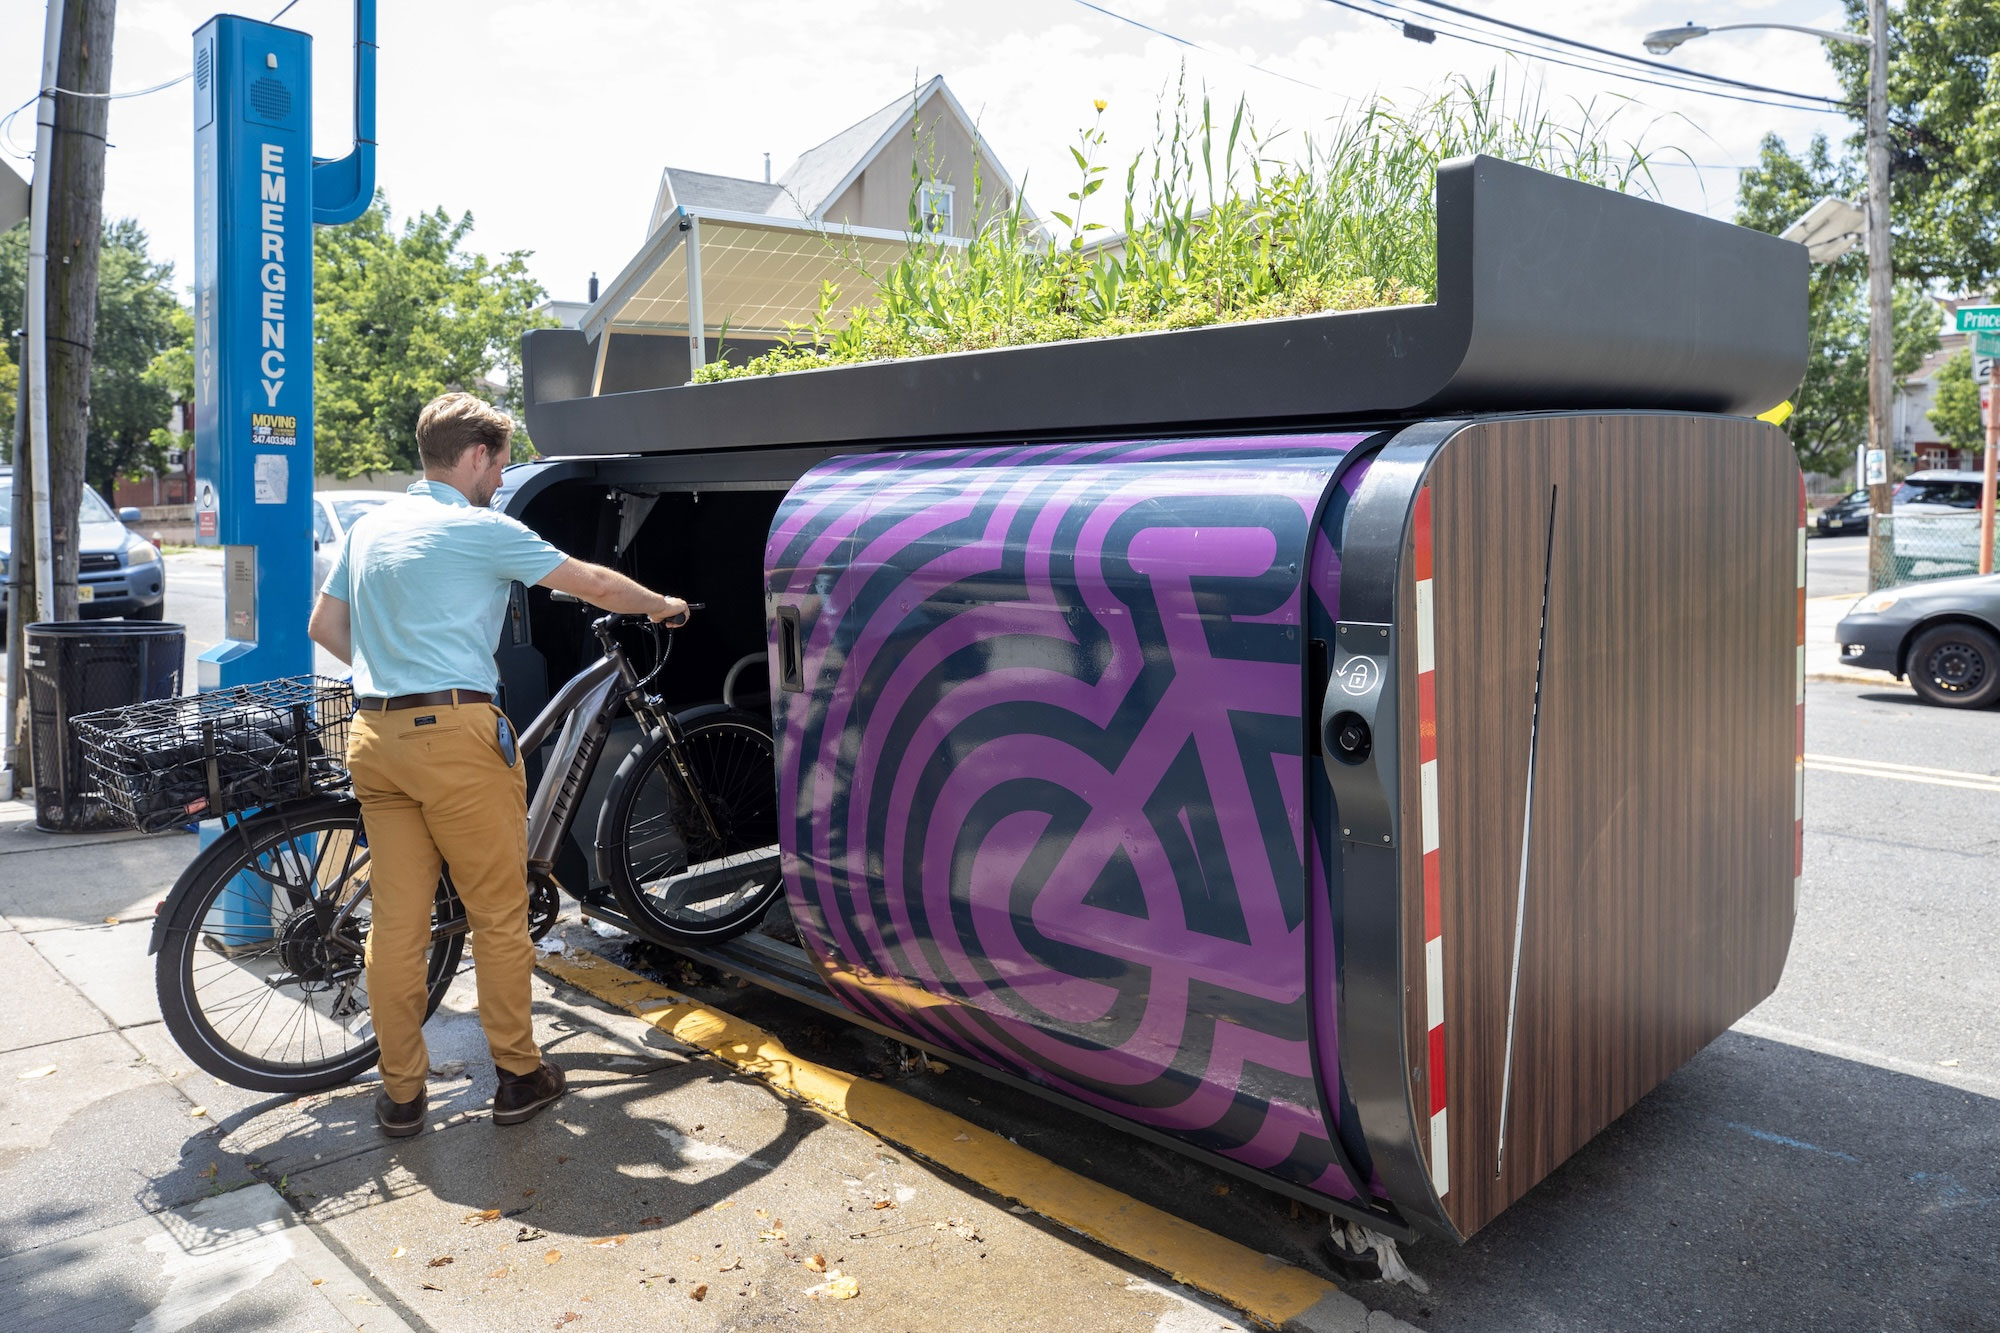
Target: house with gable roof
(730, 263)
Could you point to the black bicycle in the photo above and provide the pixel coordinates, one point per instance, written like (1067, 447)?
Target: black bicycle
(260, 944)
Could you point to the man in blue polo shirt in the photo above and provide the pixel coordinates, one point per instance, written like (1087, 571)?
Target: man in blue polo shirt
(415, 603)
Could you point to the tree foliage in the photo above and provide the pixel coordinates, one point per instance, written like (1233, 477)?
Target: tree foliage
(403, 315)
(1831, 420)
(1944, 135)
(10, 383)
(139, 322)
(1955, 406)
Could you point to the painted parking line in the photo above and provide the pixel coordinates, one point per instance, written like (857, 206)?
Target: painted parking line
(1269, 1291)
(1876, 768)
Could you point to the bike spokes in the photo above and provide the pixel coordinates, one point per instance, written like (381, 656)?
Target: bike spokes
(702, 862)
(267, 978)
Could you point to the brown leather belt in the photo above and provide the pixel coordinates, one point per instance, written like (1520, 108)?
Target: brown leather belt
(435, 699)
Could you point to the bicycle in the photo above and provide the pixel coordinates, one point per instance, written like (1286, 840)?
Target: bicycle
(260, 944)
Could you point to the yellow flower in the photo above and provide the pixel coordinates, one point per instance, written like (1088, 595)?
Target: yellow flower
(1099, 104)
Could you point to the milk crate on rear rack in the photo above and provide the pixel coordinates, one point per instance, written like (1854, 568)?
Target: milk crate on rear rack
(165, 763)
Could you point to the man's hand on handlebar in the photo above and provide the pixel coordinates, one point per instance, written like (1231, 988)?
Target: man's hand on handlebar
(614, 592)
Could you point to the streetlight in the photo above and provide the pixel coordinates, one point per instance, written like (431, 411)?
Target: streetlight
(1880, 353)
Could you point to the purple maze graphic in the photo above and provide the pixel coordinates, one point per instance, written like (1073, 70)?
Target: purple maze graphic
(1045, 794)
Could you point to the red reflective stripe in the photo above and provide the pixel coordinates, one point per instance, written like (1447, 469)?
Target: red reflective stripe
(1433, 910)
(1437, 1070)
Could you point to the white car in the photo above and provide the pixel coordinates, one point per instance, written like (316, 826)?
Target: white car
(1937, 517)
(334, 513)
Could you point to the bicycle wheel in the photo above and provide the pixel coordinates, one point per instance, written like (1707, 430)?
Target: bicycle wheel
(252, 987)
(677, 881)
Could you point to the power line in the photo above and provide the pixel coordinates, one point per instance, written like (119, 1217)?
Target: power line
(1534, 53)
(1677, 70)
(1197, 46)
(7, 121)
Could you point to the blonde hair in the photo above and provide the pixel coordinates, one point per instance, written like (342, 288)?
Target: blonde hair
(454, 422)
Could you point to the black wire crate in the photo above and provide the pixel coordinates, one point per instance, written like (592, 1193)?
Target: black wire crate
(172, 761)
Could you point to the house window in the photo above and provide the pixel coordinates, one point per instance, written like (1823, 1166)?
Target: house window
(934, 207)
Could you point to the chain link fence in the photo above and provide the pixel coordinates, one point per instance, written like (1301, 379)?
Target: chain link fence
(1910, 548)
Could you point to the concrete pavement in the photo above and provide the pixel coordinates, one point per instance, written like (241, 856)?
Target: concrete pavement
(137, 1192)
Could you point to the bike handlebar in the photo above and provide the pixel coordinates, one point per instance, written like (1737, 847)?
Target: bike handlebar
(571, 598)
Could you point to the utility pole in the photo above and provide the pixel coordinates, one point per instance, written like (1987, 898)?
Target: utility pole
(1881, 348)
(75, 176)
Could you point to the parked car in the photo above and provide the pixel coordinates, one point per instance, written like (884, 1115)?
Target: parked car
(334, 513)
(1943, 634)
(1937, 517)
(119, 573)
(1845, 517)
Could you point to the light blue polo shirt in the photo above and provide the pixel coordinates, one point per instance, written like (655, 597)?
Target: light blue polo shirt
(425, 579)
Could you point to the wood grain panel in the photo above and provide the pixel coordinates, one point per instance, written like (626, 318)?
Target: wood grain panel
(1659, 888)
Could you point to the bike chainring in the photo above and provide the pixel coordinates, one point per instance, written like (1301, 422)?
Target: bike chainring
(544, 906)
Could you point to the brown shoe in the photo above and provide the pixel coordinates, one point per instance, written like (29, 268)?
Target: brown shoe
(522, 1095)
(399, 1120)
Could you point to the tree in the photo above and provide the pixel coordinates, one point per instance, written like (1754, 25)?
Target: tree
(139, 321)
(1944, 135)
(403, 316)
(1831, 417)
(10, 385)
(1956, 411)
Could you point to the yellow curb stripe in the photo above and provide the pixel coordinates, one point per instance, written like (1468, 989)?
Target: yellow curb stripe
(1267, 1290)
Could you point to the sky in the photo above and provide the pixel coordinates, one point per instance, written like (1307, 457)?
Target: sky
(550, 120)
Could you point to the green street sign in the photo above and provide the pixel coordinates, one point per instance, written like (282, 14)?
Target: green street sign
(1979, 319)
(1986, 344)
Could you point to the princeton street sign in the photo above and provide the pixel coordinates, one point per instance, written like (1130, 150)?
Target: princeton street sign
(1979, 319)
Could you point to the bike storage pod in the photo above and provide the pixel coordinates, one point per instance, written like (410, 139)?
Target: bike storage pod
(1359, 750)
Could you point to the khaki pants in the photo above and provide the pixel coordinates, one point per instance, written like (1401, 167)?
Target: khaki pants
(437, 792)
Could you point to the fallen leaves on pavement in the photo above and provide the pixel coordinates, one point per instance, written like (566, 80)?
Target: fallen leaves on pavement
(480, 1218)
(651, 1221)
(501, 1271)
(432, 1286)
(199, 1111)
(441, 1261)
(528, 1233)
(732, 1265)
(552, 1257)
(815, 1263)
(610, 1242)
(699, 1291)
(837, 1287)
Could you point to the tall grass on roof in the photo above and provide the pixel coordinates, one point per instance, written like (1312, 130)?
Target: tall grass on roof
(1217, 226)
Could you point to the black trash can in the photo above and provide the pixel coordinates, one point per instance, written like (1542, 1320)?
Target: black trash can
(81, 667)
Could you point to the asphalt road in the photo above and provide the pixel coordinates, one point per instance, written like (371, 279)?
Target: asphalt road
(1836, 565)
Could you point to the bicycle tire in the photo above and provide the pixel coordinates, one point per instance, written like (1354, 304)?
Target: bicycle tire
(189, 937)
(644, 835)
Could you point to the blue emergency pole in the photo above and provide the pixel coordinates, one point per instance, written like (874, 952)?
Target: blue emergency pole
(258, 193)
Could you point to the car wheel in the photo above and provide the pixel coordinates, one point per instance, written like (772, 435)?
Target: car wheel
(157, 611)
(1957, 666)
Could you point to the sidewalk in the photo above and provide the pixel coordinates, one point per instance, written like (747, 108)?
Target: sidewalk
(667, 1191)
(119, 1208)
